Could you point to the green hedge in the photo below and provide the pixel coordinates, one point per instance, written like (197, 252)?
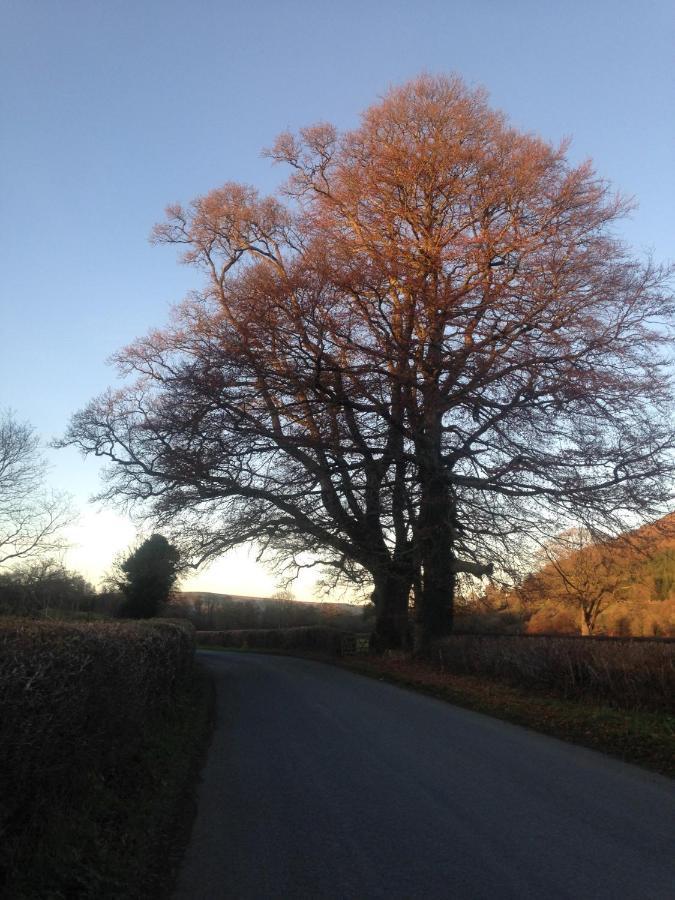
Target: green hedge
(75, 700)
(627, 673)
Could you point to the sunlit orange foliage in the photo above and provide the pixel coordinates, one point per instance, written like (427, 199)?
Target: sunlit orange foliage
(606, 585)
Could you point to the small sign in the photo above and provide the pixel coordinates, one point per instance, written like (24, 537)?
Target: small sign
(355, 643)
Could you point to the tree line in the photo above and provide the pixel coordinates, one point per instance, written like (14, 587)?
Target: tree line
(221, 612)
(139, 585)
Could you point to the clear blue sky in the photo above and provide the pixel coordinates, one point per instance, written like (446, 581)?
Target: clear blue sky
(110, 109)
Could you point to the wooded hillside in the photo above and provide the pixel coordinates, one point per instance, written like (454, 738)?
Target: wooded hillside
(624, 586)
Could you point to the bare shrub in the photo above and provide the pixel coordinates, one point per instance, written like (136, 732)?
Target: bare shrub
(628, 673)
(553, 619)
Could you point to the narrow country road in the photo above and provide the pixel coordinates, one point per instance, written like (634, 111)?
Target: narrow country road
(325, 784)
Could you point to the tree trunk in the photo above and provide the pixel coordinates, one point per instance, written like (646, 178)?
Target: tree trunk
(390, 596)
(435, 612)
(587, 623)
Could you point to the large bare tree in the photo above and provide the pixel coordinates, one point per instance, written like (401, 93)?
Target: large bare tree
(427, 355)
(32, 518)
(241, 427)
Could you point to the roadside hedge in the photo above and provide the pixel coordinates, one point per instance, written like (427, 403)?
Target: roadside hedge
(311, 638)
(630, 673)
(75, 699)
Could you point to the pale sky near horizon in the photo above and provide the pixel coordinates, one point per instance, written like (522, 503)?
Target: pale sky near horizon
(111, 110)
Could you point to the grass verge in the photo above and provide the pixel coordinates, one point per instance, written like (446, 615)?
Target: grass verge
(641, 737)
(125, 840)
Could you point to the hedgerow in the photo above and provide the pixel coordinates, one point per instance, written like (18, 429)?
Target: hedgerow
(629, 673)
(326, 640)
(75, 702)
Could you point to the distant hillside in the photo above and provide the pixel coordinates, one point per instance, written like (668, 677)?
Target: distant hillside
(212, 597)
(621, 586)
(212, 610)
(624, 586)
(639, 565)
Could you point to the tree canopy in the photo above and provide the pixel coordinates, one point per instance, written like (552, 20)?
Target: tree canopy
(146, 577)
(428, 354)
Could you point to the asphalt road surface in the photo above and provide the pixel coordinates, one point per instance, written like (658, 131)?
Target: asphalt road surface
(325, 784)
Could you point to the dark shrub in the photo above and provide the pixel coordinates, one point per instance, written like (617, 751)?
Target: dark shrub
(74, 701)
(629, 673)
